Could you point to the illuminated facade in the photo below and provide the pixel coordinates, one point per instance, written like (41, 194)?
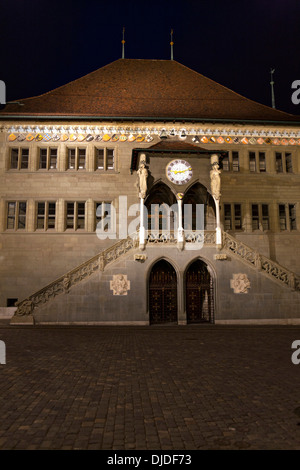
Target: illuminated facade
(145, 193)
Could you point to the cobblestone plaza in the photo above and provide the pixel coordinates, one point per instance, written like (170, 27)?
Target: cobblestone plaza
(161, 387)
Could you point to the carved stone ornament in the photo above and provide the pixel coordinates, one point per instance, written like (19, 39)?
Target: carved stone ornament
(120, 285)
(25, 308)
(240, 283)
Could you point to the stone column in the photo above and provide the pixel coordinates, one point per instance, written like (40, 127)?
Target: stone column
(180, 231)
(30, 215)
(142, 227)
(90, 215)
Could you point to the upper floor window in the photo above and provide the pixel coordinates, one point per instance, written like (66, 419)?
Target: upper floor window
(48, 158)
(260, 217)
(19, 158)
(16, 215)
(235, 161)
(283, 162)
(104, 159)
(75, 215)
(45, 219)
(252, 161)
(262, 162)
(76, 159)
(104, 221)
(233, 217)
(287, 217)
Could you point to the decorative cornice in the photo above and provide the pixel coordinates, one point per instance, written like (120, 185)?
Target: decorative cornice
(145, 134)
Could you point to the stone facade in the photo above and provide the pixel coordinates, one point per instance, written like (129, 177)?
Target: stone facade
(33, 257)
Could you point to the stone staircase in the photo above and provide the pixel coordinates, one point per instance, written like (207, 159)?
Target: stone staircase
(230, 244)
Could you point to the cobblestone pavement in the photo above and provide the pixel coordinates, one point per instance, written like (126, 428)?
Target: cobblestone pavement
(160, 387)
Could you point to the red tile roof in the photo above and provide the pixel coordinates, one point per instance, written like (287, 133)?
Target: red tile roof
(149, 89)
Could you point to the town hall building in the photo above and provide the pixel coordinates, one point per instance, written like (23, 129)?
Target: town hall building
(145, 193)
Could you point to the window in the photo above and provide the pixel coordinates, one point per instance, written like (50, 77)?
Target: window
(16, 215)
(104, 217)
(225, 163)
(104, 159)
(11, 302)
(45, 215)
(255, 217)
(278, 162)
(282, 217)
(237, 217)
(252, 161)
(75, 215)
(48, 159)
(99, 159)
(76, 159)
(262, 162)
(235, 161)
(292, 216)
(19, 159)
(227, 216)
(265, 216)
(288, 163)
(110, 159)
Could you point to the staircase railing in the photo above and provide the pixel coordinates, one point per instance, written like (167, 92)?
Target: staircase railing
(76, 275)
(261, 262)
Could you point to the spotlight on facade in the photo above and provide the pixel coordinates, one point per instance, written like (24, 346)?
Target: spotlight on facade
(163, 134)
(182, 134)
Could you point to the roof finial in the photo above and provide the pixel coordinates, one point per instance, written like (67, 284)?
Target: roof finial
(172, 44)
(123, 44)
(272, 88)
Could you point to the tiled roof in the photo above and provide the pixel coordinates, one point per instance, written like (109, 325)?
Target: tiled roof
(149, 89)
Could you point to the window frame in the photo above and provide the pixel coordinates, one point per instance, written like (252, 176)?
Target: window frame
(48, 158)
(16, 216)
(76, 216)
(20, 151)
(106, 156)
(77, 151)
(46, 218)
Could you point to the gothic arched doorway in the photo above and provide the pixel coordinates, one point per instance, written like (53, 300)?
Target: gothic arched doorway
(162, 293)
(199, 293)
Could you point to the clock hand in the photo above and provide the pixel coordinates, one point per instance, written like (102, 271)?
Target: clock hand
(181, 171)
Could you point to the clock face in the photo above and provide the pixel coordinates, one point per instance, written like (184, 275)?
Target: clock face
(179, 171)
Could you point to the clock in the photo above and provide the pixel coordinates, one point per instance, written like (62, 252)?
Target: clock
(179, 172)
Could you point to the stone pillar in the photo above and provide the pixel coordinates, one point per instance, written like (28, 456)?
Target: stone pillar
(61, 214)
(30, 215)
(142, 227)
(3, 215)
(90, 215)
(180, 231)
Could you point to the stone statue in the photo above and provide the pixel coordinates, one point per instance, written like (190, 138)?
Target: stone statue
(215, 181)
(142, 180)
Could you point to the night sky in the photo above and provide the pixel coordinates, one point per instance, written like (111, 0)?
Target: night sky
(45, 44)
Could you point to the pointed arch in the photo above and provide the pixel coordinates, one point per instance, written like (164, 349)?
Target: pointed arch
(199, 291)
(162, 292)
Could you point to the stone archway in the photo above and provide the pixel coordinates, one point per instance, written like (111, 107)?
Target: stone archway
(162, 287)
